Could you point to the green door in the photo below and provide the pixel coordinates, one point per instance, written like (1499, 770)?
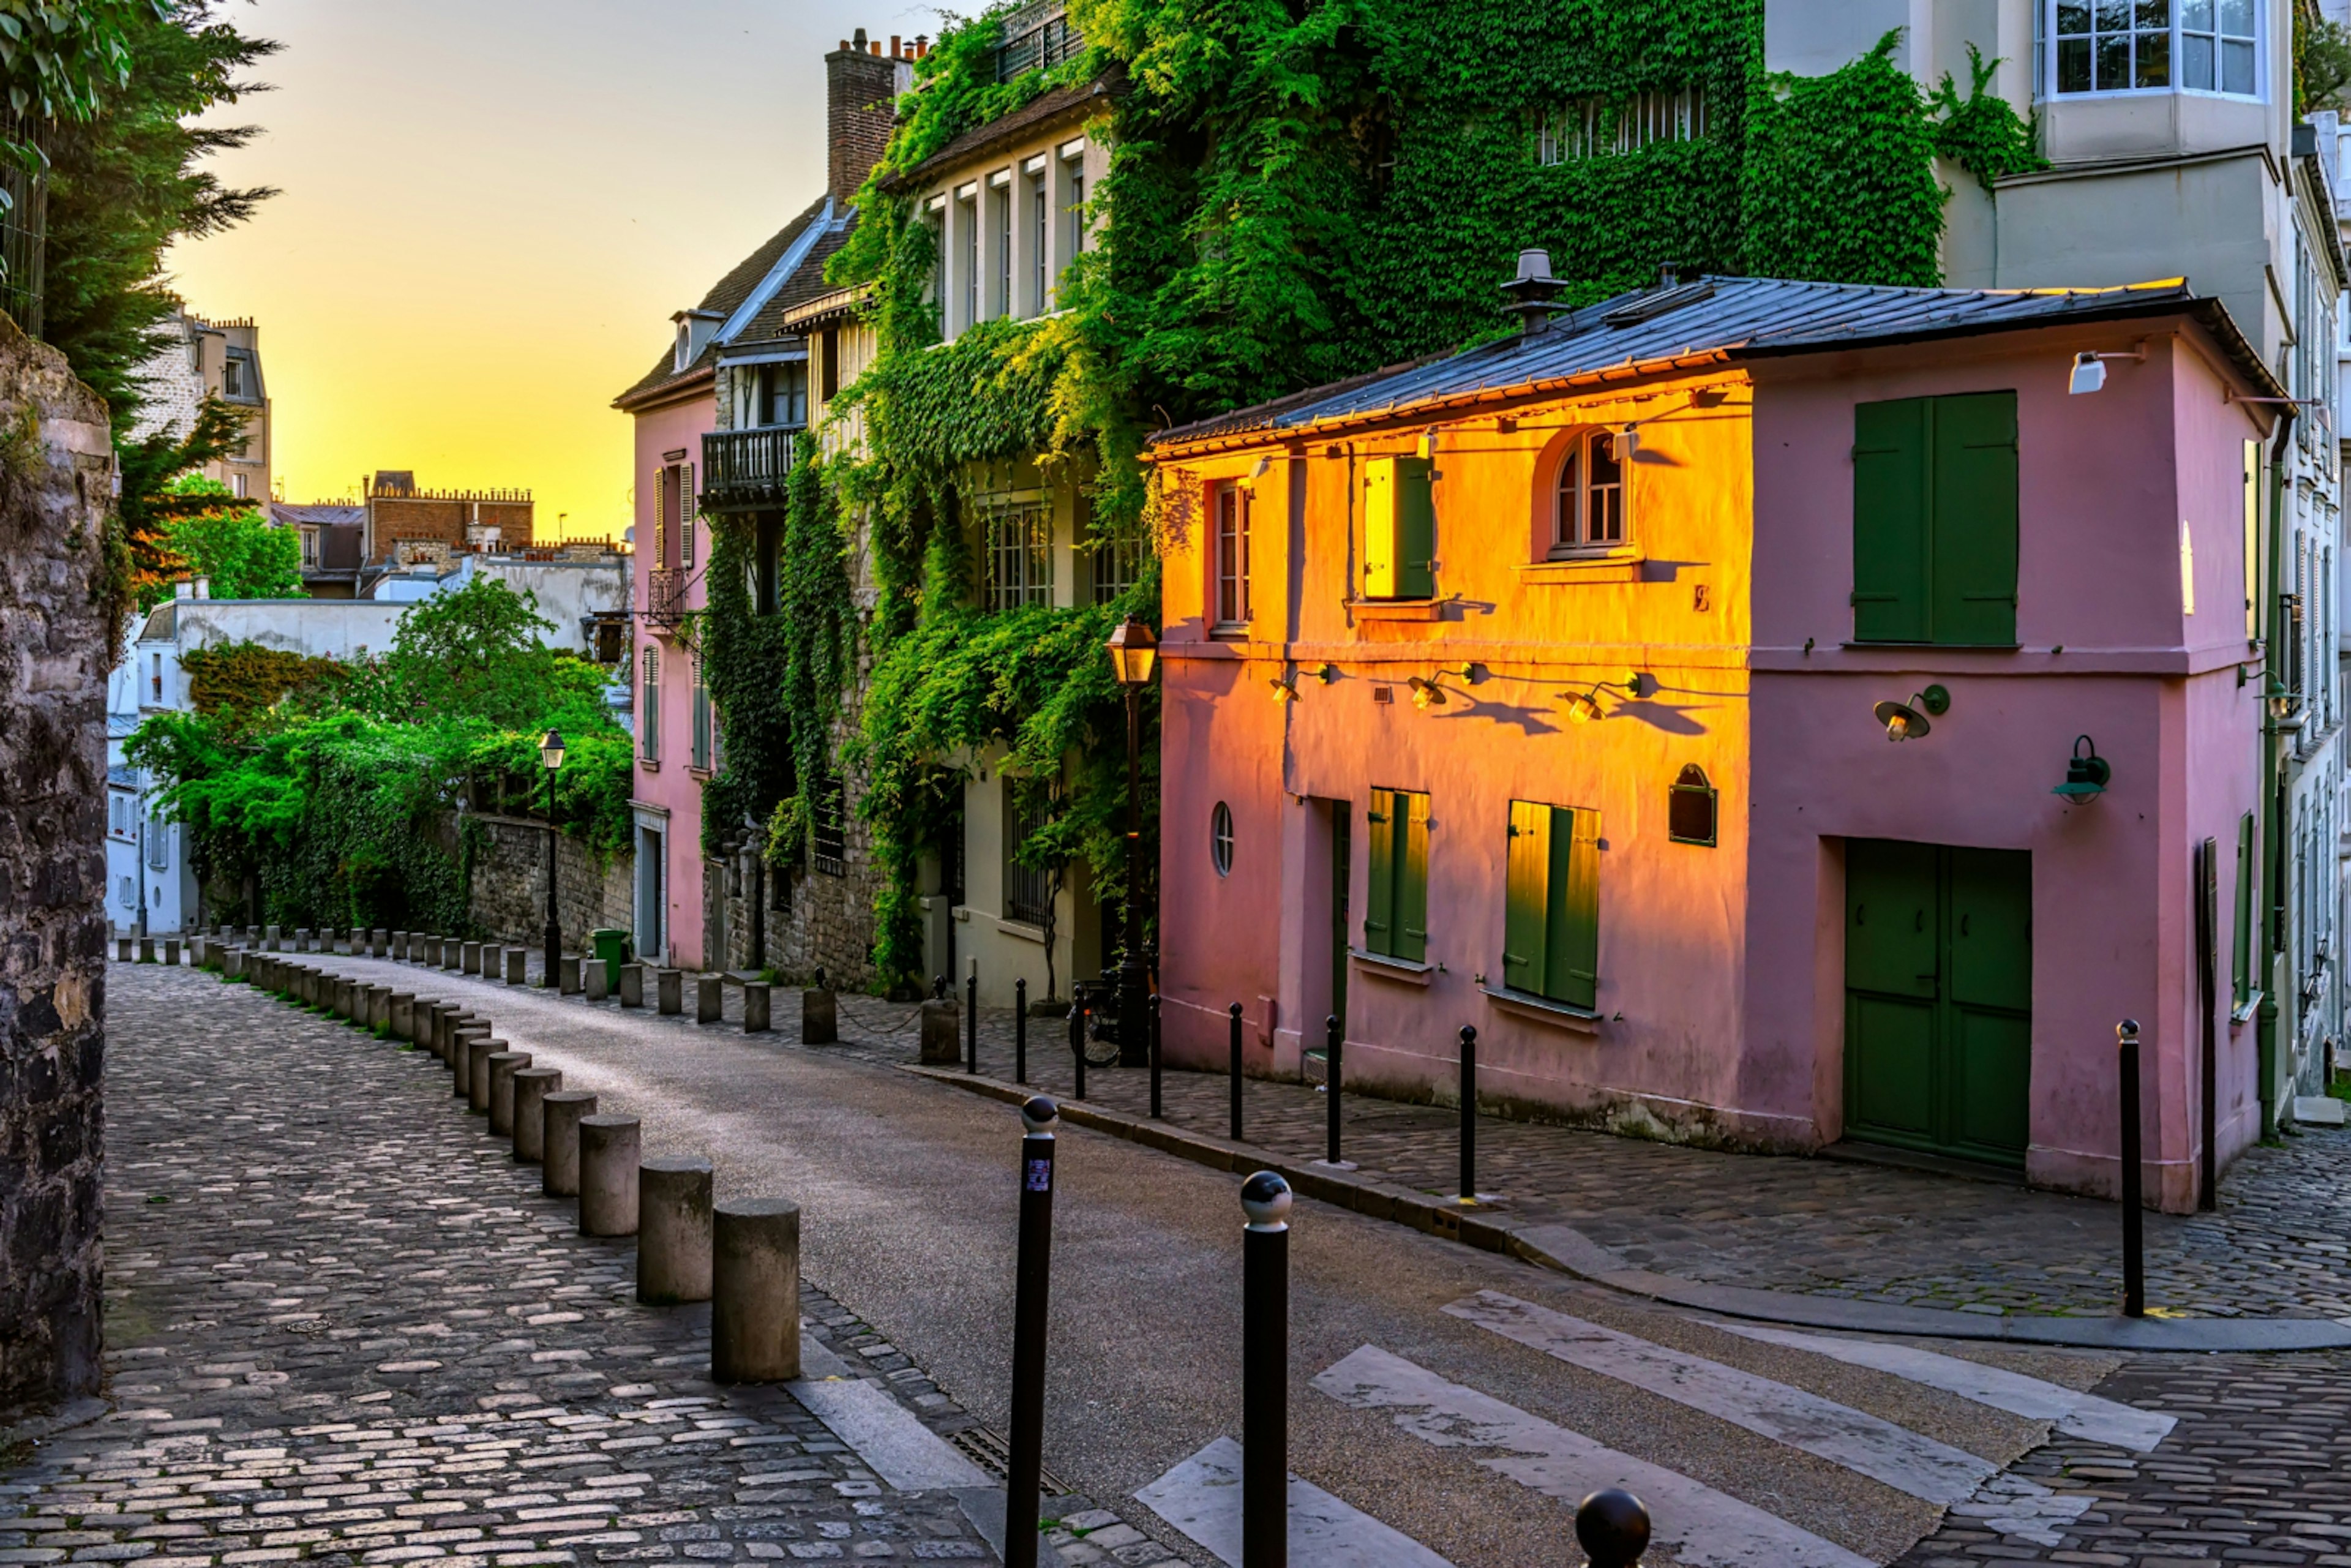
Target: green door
(1938, 997)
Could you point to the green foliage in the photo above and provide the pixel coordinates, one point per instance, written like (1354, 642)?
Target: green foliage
(743, 656)
(1982, 132)
(475, 653)
(58, 58)
(241, 682)
(236, 548)
(149, 504)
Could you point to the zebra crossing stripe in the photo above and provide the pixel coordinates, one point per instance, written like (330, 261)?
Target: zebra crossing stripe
(1202, 1498)
(2078, 1414)
(1698, 1526)
(1905, 1461)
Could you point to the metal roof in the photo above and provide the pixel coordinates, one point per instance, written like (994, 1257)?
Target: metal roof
(1711, 319)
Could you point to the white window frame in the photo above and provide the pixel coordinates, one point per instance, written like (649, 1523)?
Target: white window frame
(1572, 531)
(2175, 32)
(1230, 519)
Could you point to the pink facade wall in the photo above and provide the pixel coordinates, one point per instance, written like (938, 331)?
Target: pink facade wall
(1721, 1013)
(670, 785)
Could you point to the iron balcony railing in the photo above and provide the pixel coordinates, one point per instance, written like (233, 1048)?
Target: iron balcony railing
(665, 606)
(745, 469)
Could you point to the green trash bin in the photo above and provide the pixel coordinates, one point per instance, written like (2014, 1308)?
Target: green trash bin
(612, 946)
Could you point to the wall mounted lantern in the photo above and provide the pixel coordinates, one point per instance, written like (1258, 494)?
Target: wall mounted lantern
(1582, 707)
(2087, 774)
(1285, 688)
(1426, 692)
(2089, 372)
(1907, 721)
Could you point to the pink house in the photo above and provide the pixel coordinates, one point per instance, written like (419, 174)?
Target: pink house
(1687, 695)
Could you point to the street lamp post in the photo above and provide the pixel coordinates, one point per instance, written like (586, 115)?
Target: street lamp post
(551, 752)
(1135, 656)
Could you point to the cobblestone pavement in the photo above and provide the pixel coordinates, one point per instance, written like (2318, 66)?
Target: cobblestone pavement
(344, 1326)
(2279, 1245)
(2258, 1471)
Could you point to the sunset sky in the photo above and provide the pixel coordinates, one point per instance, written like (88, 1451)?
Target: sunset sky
(490, 208)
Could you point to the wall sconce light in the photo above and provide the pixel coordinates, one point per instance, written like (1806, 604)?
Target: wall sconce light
(2087, 774)
(2090, 370)
(1425, 449)
(1327, 674)
(1582, 707)
(1285, 688)
(1425, 694)
(1907, 721)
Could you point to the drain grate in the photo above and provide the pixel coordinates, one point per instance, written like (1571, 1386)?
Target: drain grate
(990, 1451)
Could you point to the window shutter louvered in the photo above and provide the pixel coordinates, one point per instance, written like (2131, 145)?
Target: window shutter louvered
(1972, 519)
(1575, 945)
(2240, 962)
(1889, 521)
(687, 510)
(1379, 907)
(1416, 529)
(1527, 898)
(1412, 881)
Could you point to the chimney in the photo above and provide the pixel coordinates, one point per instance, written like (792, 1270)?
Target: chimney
(1531, 291)
(203, 587)
(184, 589)
(860, 90)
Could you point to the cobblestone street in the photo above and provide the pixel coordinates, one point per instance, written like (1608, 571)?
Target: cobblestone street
(344, 1326)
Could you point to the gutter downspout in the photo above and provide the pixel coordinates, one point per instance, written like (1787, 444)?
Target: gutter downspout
(2272, 795)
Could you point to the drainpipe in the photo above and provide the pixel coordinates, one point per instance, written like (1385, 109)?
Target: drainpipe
(2272, 929)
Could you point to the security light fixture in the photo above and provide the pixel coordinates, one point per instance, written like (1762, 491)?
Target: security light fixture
(1907, 721)
(2087, 774)
(1134, 653)
(2090, 369)
(1264, 466)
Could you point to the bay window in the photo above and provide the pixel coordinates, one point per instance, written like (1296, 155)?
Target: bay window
(2147, 46)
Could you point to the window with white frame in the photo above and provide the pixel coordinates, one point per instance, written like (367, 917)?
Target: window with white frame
(1073, 206)
(2147, 46)
(1040, 214)
(158, 844)
(999, 219)
(1589, 493)
(1016, 555)
(968, 221)
(1230, 508)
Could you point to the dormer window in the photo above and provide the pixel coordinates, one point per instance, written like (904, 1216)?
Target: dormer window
(695, 330)
(2148, 45)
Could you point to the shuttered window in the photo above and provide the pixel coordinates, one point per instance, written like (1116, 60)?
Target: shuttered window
(1550, 924)
(2240, 960)
(1395, 917)
(1399, 530)
(1934, 520)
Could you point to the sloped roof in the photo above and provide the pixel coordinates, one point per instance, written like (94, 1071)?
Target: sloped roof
(806, 283)
(1713, 320)
(1082, 99)
(725, 297)
(315, 515)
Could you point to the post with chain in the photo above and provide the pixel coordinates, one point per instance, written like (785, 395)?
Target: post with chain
(1469, 1114)
(2133, 1220)
(1020, 1029)
(1236, 1015)
(1265, 1373)
(1032, 1279)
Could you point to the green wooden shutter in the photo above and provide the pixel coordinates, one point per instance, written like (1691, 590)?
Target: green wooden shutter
(1574, 944)
(1972, 527)
(2240, 962)
(1412, 880)
(1527, 898)
(1889, 521)
(1379, 904)
(1416, 525)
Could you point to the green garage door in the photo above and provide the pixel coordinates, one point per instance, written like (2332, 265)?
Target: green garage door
(1938, 997)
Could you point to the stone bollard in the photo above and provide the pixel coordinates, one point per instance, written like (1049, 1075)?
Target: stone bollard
(819, 1018)
(171, 952)
(382, 944)
(380, 1008)
(633, 985)
(273, 938)
(517, 958)
(477, 1071)
(338, 996)
(400, 945)
(419, 944)
(504, 1065)
(469, 958)
(326, 940)
(709, 997)
(304, 942)
(674, 1230)
(594, 979)
(146, 949)
(531, 1090)
(122, 948)
(456, 1052)
(755, 1290)
(558, 1151)
(567, 974)
(233, 964)
(403, 1016)
(608, 1176)
(669, 991)
(941, 1033)
(453, 954)
(754, 1007)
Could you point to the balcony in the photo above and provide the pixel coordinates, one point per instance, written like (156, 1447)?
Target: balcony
(743, 470)
(665, 606)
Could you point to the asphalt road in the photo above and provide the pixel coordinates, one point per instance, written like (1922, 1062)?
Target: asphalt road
(908, 1200)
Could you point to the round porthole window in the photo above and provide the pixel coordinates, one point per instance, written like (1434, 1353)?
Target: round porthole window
(1220, 839)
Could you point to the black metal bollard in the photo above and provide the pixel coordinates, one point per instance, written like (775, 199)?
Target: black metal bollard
(1469, 1114)
(1236, 1015)
(1020, 1029)
(1265, 1373)
(1032, 1279)
(1078, 1033)
(1331, 1033)
(971, 1021)
(1612, 1527)
(2133, 1220)
(1153, 1005)
(938, 987)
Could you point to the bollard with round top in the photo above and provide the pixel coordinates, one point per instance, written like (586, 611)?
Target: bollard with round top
(938, 1026)
(1234, 1015)
(469, 958)
(1265, 1372)
(146, 949)
(381, 944)
(504, 1065)
(403, 1015)
(567, 970)
(122, 948)
(674, 1226)
(608, 1176)
(1613, 1527)
(171, 952)
(560, 1114)
(531, 1087)
(755, 1290)
(2134, 1218)
(1032, 1283)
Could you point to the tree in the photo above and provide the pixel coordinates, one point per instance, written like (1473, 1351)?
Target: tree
(243, 554)
(473, 652)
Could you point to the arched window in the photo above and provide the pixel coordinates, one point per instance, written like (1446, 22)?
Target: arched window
(1690, 808)
(1220, 839)
(1590, 500)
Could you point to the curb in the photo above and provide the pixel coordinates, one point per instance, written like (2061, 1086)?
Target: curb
(1570, 1252)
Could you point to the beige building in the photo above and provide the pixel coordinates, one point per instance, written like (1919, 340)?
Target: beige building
(220, 359)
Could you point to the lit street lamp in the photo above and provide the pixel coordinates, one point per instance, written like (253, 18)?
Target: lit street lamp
(1135, 657)
(551, 752)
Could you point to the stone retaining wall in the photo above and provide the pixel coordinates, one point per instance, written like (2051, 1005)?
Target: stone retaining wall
(508, 893)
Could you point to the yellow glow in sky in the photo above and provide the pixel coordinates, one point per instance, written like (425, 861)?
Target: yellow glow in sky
(490, 208)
